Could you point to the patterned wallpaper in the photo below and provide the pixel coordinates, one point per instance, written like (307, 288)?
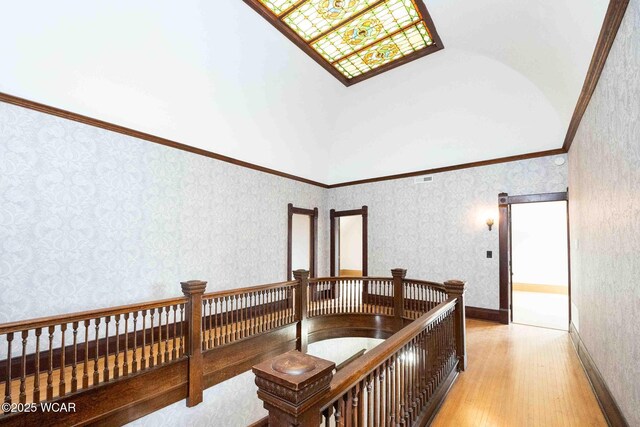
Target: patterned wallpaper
(437, 230)
(604, 182)
(91, 218)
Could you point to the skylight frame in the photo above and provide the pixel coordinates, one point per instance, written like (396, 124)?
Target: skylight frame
(277, 22)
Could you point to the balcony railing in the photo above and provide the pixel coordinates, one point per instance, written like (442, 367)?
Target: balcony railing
(118, 364)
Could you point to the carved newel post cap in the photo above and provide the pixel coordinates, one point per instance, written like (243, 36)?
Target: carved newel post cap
(301, 274)
(455, 286)
(290, 381)
(399, 272)
(193, 287)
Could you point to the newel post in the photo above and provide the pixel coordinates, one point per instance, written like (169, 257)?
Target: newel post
(455, 289)
(302, 327)
(291, 386)
(193, 290)
(398, 295)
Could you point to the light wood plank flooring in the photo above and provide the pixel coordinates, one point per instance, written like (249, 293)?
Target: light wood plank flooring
(520, 376)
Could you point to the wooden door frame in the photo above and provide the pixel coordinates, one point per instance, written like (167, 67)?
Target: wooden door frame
(504, 252)
(333, 214)
(313, 240)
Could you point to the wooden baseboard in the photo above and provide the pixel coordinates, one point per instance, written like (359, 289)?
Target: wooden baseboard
(492, 315)
(606, 400)
(351, 273)
(545, 289)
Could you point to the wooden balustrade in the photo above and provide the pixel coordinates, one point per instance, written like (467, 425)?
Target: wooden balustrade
(234, 315)
(64, 354)
(400, 382)
(137, 358)
(350, 295)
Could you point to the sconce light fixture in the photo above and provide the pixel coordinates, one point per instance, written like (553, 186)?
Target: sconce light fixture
(490, 223)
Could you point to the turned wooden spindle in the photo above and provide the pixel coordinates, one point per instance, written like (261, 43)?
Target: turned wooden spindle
(174, 349)
(116, 367)
(23, 363)
(74, 366)
(50, 364)
(36, 376)
(290, 385)
(62, 386)
(105, 370)
(125, 358)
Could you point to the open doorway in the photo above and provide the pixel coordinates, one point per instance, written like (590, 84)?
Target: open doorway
(349, 242)
(538, 256)
(302, 240)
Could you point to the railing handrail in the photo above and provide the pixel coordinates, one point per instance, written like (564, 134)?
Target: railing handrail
(352, 374)
(336, 279)
(41, 322)
(440, 286)
(266, 287)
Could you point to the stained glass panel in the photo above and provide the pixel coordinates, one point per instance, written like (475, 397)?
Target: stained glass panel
(356, 36)
(380, 22)
(315, 17)
(390, 49)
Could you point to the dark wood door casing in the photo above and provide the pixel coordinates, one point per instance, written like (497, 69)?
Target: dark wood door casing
(334, 241)
(313, 241)
(504, 244)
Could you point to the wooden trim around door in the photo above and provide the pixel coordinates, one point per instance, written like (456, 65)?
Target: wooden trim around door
(313, 243)
(334, 228)
(504, 242)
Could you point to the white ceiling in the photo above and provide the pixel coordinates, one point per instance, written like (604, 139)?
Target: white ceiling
(216, 75)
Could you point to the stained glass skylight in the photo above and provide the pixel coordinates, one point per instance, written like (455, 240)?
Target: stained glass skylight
(351, 38)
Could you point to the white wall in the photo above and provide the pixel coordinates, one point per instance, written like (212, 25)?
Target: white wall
(539, 243)
(604, 210)
(300, 242)
(351, 242)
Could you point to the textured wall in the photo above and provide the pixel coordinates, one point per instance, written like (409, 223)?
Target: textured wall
(605, 227)
(437, 230)
(91, 218)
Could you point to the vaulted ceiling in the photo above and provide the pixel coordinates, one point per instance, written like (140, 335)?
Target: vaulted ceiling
(216, 75)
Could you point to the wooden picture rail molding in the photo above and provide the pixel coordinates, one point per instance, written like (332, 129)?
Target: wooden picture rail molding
(121, 363)
(613, 18)
(36, 106)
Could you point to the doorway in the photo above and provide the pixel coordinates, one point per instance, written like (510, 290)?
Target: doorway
(302, 240)
(349, 251)
(538, 259)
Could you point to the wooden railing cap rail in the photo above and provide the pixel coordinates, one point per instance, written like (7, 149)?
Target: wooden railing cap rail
(344, 379)
(337, 279)
(229, 292)
(425, 282)
(41, 322)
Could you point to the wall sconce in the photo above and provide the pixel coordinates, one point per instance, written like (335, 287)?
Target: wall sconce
(490, 223)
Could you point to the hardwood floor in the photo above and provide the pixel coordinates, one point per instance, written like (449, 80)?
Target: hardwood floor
(520, 376)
